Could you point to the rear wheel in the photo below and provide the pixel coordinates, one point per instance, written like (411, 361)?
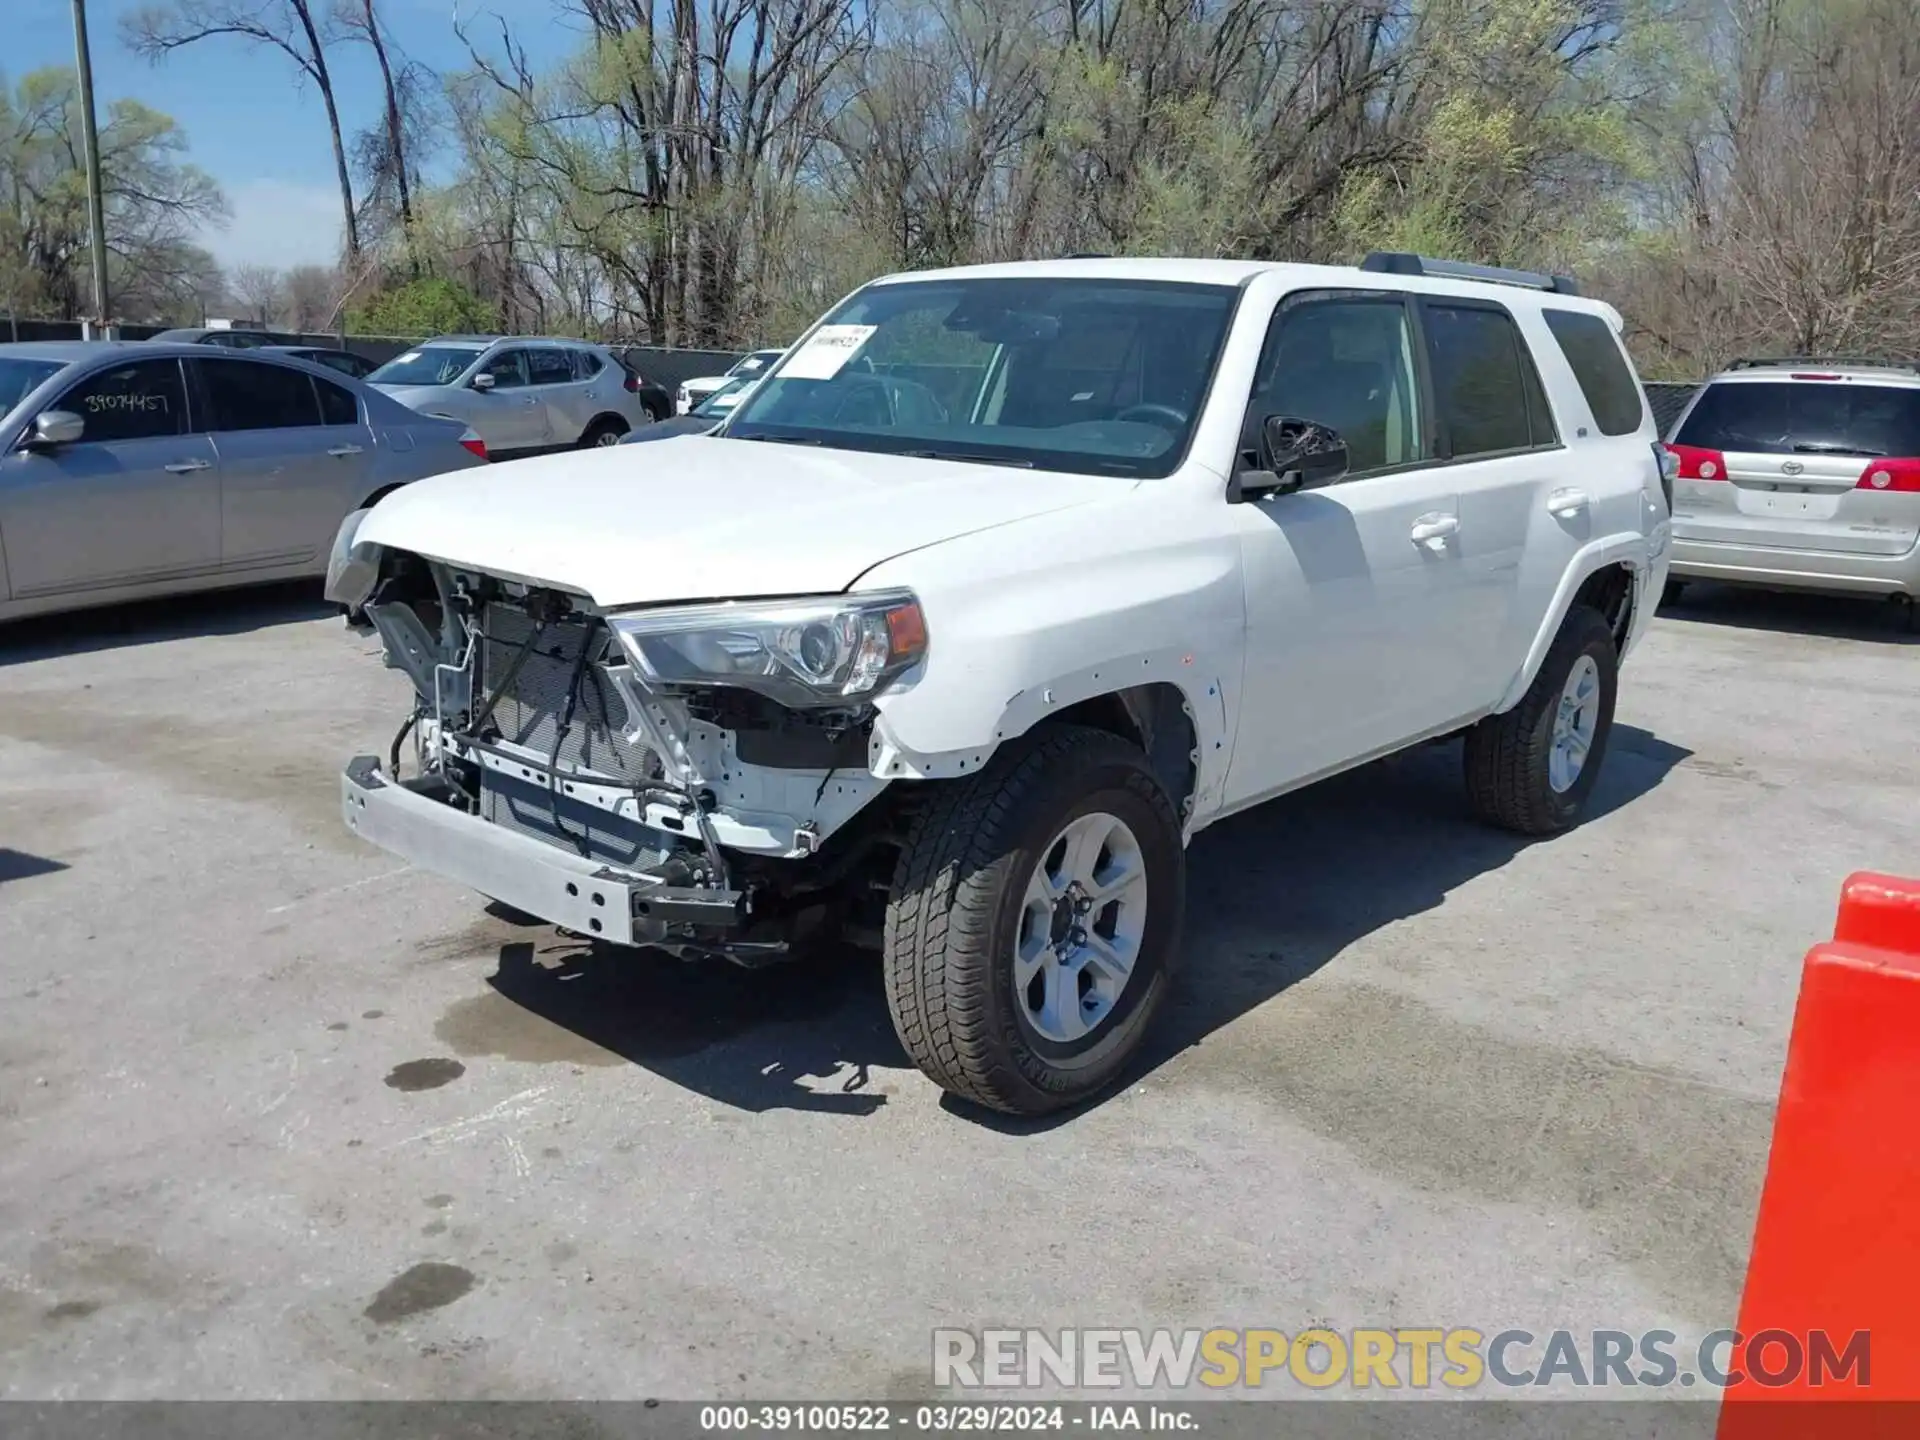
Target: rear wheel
(603, 432)
(1033, 921)
(1532, 769)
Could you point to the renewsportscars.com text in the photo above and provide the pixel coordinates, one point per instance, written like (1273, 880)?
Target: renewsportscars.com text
(1378, 1359)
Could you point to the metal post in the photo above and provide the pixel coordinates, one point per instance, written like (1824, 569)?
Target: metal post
(96, 205)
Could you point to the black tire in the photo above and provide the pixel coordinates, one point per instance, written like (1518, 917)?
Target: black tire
(954, 915)
(1672, 593)
(1507, 756)
(605, 431)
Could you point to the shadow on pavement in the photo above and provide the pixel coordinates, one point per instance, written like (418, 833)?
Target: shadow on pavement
(211, 612)
(1839, 617)
(19, 865)
(1274, 895)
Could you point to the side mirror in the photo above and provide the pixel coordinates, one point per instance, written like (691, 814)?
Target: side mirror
(483, 381)
(1296, 454)
(54, 428)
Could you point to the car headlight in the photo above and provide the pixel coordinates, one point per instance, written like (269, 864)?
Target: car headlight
(800, 653)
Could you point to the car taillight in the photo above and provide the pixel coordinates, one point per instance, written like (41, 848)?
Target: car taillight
(1699, 464)
(472, 442)
(632, 383)
(1891, 475)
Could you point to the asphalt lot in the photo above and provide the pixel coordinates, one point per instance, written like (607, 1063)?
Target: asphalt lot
(279, 1118)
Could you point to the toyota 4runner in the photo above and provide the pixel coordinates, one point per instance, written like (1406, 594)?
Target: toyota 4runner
(1001, 586)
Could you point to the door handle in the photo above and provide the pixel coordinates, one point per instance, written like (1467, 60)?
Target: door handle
(1567, 502)
(1432, 530)
(341, 450)
(187, 467)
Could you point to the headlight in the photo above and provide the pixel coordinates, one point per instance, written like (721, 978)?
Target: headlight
(801, 653)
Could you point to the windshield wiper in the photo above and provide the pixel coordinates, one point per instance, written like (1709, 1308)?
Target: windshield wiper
(780, 439)
(969, 459)
(1821, 447)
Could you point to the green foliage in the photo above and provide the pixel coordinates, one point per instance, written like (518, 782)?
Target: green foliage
(429, 306)
(155, 204)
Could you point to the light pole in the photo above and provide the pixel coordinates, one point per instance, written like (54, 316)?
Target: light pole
(96, 205)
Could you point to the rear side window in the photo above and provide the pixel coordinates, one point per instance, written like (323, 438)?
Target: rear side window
(337, 404)
(139, 401)
(1484, 382)
(549, 367)
(1805, 417)
(1594, 354)
(586, 364)
(248, 396)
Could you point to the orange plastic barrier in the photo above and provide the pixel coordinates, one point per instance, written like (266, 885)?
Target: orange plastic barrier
(1836, 1248)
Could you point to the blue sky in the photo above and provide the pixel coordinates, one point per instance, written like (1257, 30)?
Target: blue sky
(250, 119)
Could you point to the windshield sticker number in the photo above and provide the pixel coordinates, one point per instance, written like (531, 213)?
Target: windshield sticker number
(827, 350)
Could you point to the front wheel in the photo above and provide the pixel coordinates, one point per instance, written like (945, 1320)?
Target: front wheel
(1532, 769)
(1033, 922)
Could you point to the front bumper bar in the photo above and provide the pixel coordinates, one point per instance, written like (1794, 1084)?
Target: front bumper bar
(578, 894)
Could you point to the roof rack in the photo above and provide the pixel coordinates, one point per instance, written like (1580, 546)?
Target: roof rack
(1395, 262)
(1855, 362)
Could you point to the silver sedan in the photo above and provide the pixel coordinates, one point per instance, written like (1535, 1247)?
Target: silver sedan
(146, 469)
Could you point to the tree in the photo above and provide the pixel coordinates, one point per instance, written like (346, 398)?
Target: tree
(285, 25)
(311, 291)
(388, 151)
(419, 307)
(260, 290)
(155, 204)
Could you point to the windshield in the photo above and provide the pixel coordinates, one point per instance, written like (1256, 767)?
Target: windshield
(1092, 376)
(722, 401)
(429, 365)
(754, 364)
(18, 378)
(1797, 417)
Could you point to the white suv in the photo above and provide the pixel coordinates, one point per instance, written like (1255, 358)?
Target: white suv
(1000, 587)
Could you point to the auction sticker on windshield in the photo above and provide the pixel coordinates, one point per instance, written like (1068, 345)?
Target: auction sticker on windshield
(826, 351)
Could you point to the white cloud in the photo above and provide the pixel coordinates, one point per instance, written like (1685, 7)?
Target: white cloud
(278, 223)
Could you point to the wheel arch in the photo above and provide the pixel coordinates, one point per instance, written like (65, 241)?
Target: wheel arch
(1159, 720)
(1178, 721)
(607, 417)
(1609, 576)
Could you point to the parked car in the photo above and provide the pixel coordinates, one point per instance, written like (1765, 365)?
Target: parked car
(960, 678)
(345, 361)
(703, 419)
(1804, 474)
(225, 339)
(144, 469)
(654, 397)
(748, 367)
(525, 395)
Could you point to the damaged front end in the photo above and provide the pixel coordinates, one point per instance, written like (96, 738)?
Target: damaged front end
(696, 778)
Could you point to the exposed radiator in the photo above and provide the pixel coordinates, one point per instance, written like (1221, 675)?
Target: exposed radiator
(528, 715)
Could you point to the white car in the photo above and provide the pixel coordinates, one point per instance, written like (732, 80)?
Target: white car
(747, 367)
(1003, 585)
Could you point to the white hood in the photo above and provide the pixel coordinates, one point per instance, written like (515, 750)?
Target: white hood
(699, 518)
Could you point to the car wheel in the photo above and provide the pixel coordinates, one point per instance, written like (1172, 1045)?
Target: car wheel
(602, 432)
(1033, 922)
(1532, 769)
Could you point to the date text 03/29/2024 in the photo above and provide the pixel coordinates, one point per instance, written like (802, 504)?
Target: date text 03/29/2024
(943, 1419)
